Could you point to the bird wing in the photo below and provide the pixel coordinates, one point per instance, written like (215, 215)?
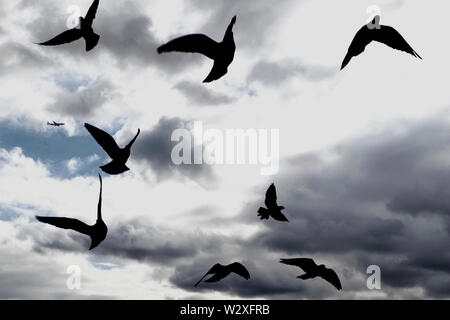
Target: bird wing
(134, 139)
(218, 71)
(306, 264)
(99, 205)
(239, 269)
(199, 43)
(392, 38)
(209, 272)
(91, 41)
(65, 37)
(361, 39)
(331, 276)
(271, 197)
(90, 15)
(66, 223)
(105, 140)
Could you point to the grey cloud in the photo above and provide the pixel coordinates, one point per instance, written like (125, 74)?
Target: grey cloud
(86, 101)
(342, 211)
(198, 95)
(125, 33)
(255, 19)
(274, 73)
(130, 240)
(154, 148)
(15, 55)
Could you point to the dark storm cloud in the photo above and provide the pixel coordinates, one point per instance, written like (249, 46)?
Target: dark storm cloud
(130, 240)
(154, 148)
(198, 95)
(126, 33)
(85, 101)
(274, 73)
(382, 195)
(371, 203)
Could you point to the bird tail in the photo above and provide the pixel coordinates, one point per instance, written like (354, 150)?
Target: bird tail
(91, 40)
(263, 213)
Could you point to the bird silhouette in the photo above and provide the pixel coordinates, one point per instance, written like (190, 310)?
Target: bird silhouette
(273, 209)
(85, 31)
(97, 232)
(376, 32)
(221, 52)
(313, 270)
(119, 156)
(219, 272)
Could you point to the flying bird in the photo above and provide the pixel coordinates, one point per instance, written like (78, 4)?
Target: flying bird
(219, 272)
(55, 124)
(96, 232)
(221, 52)
(376, 32)
(119, 156)
(313, 270)
(85, 31)
(273, 209)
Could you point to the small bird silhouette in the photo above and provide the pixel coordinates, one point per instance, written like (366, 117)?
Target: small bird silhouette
(97, 232)
(55, 124)
(273, 209)
(86, 32)
(221, 272)
(221, 52)
(313, 270)
(119, 156)
(376, 32)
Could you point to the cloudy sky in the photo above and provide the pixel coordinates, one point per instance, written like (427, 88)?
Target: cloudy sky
(364, 152)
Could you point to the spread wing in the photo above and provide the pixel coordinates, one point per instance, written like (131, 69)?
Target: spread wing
(392, 38)
(90, 15)
(209, 272)
(331, 276)
(105, 140)
(306, 264)
(239, 269)
(66, 223)
(361, 39)
(271, 197)
(65, 37)
(198, 43)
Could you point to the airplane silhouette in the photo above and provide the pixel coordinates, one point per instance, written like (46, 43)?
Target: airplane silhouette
(313, 270)
(55, 124)
(86, 32)
(221, 52)
(273, 209)
(96, 232)
(119, 156)
(221, 272)
(383, 34)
